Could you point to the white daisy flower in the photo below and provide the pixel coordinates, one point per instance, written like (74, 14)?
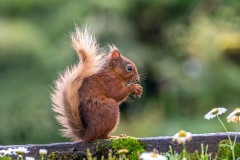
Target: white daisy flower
(234, 116)
(6, 152)
(2, 151)
(215, 112)
(182, 136)
(21, 150)
(30, 158)
(11, 150)
(43, 152)
(152, 156)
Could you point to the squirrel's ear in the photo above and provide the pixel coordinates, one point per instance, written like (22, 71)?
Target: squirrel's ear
(115, 54)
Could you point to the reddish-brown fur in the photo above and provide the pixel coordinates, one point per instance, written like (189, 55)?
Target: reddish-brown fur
(100, 96)
(87, 96)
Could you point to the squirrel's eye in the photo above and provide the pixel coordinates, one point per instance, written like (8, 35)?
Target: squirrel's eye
(129, 68)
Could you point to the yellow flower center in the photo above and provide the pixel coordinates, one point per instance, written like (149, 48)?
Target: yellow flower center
(214, 111)
(154, 155)
(20, 152)
(236, 109)
(182, 133)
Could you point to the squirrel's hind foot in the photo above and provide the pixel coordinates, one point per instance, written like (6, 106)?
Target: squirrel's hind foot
(123, 135)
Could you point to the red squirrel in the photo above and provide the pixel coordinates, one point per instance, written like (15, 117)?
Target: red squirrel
(87, 96)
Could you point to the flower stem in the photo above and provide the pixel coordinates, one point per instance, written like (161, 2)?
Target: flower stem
(170, 150)
(184, 150)
(230, 141)
(235, 138)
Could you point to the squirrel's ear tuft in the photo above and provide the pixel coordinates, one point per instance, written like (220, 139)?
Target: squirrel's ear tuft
(115, 54)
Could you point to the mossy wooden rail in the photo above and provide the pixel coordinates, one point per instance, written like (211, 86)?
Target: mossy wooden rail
(101, 147)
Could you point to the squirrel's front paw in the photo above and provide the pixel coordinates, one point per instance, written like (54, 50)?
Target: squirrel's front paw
(137, 90)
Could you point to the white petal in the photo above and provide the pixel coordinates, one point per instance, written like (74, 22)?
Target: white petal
(221, 110)
(231, 115)
(209, 115)
(42, 151)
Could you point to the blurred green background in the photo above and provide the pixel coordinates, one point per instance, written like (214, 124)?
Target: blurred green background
(189, 51)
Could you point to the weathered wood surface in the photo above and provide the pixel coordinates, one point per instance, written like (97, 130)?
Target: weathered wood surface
(160, 143)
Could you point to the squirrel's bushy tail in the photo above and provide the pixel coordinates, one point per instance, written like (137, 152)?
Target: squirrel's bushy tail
(65, 95)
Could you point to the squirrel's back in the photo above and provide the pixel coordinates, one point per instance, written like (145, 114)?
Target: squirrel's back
(65, 95)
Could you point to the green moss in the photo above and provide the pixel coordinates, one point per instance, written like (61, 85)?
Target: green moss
(101, 146)
(224, 151)
(133, 145)
(61, 156)
(5, 158)
(197, 156)
(194, 156)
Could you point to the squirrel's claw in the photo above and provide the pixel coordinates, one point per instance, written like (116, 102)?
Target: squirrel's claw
(123, 135)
